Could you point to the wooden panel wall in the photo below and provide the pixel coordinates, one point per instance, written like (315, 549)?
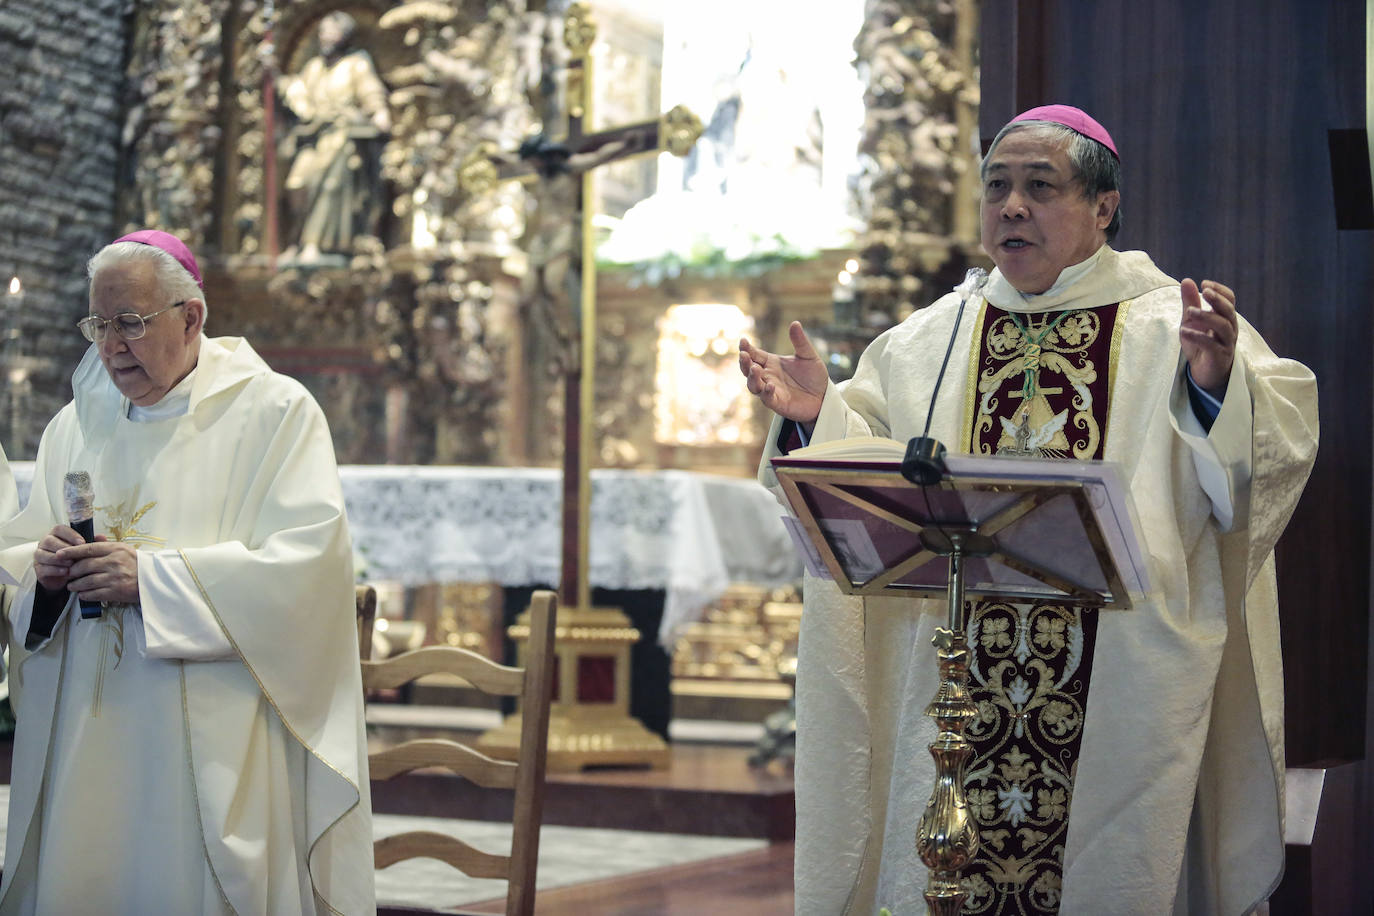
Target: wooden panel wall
(1223, 111)
(1224, 143)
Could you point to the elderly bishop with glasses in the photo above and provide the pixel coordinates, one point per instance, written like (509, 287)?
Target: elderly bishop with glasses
(185, 677)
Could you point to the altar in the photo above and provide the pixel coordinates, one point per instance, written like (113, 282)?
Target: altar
(686, 534)
(665, 544)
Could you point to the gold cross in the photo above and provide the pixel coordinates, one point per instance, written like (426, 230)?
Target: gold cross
(1038, 390)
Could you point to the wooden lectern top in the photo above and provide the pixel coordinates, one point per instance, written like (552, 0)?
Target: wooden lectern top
(1032, 529)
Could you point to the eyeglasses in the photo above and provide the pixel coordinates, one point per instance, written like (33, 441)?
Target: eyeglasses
(129, 325)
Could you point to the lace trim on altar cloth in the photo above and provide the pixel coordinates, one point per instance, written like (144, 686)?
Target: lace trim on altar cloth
(690, 535)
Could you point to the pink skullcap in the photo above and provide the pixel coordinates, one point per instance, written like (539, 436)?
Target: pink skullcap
(1074, 119)
(170, 244)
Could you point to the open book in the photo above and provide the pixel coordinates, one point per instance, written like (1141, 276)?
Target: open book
(1058, 528)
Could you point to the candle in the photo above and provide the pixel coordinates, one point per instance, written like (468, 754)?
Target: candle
(14, 299)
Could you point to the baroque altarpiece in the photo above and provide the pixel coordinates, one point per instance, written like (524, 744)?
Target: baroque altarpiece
(399, 314)
(320, 164)
(410, 326)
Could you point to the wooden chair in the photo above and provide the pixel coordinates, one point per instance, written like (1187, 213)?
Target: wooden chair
(533, 684)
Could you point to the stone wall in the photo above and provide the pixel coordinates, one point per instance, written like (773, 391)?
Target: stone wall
(60, 122)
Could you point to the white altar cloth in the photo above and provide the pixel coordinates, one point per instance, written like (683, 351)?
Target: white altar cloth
(690, 534)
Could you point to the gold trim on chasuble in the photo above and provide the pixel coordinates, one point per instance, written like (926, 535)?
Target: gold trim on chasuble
(195, 787)
(1033, 388)
(310, 748)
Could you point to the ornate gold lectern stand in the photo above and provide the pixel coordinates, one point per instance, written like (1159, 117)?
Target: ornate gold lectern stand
(977, 529)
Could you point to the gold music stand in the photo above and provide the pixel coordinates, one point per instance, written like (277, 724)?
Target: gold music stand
(1019, 529)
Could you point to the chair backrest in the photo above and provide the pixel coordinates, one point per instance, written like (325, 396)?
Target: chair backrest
(365, 597)
(533, 684)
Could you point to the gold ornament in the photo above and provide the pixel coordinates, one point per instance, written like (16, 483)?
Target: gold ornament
(579, 29)
(678, 129)
(477, 175)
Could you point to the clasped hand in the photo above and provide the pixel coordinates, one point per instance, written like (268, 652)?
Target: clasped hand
(102, 570)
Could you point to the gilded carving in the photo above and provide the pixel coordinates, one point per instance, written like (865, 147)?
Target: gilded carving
(478, 175)
(680, 129)
(919, 142)
(172, 130)
(579, 29)
(332, 193)
(749, 635)
(417, 297)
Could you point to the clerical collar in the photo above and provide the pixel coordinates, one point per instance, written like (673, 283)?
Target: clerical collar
(1067, 277)
(174, 403)
(1106, 277)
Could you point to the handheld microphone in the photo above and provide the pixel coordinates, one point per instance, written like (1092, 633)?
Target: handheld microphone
(924, 462)
(79, 496)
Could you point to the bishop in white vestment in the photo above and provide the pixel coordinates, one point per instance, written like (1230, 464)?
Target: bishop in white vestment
(1125, 762)
(199, 746)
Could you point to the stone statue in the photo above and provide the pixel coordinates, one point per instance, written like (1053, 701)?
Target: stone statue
(334, 187)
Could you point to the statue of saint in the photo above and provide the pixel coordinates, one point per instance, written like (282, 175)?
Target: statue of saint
(334, 187)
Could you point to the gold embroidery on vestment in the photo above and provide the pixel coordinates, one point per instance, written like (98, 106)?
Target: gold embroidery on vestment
(1118, 330)
(122, 525)
(123, 522)
(1057, 350)
(1020, 784)
(971, 401)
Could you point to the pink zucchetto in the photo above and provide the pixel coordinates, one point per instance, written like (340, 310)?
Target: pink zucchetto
(1074, 119)
(170, 244)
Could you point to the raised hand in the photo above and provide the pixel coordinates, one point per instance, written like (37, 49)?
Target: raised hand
(1208, 333)
(791, 386)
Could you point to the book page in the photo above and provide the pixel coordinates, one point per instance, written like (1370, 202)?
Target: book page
(857, 448)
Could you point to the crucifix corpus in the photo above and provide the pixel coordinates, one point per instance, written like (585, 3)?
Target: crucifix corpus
(590, 722)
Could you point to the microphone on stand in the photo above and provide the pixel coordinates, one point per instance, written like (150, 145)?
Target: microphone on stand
(79, 496)
(924, 462)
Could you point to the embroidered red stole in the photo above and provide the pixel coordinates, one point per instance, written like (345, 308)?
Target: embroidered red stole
(1038, 386)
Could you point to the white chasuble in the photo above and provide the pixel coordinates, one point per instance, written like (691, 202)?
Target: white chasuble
(1184, 720)
(145, 782)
